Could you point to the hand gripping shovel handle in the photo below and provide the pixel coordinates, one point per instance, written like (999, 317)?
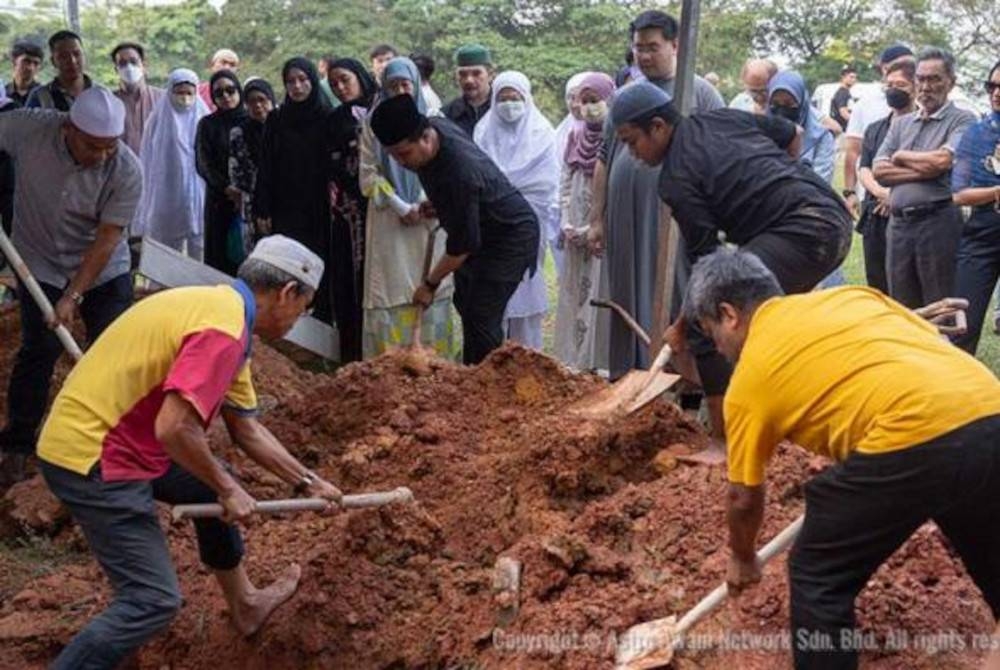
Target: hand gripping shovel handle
(215, 510)
(24, 274)
(428, 259)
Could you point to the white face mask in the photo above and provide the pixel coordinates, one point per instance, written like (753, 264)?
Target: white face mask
(182, 101)
(594, 112)
(130, 74)
(511, 110)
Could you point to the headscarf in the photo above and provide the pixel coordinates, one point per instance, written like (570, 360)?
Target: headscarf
(253, 130)
(237, 112)
(569, 121)
(524, 150)
(173, 194)
(585, 139)
(368, 85)
(406, 183)
(792, 82)
(315, 106)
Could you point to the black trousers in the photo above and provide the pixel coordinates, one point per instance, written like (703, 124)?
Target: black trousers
(809, 246)
(28, 392)
(977, 270)
(862, 510)
(481, 304)
(873, 240)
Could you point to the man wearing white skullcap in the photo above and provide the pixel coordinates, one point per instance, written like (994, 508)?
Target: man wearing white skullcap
(76, 191)
(223, 59)
(129, 427)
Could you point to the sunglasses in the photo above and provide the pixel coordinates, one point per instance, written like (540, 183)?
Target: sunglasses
(223, 91)
(991, 86)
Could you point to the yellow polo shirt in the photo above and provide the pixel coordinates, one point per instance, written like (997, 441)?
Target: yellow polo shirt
(843, 370)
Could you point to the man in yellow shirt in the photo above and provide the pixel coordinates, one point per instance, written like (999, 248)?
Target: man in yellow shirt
(128, 428)
(913, 423)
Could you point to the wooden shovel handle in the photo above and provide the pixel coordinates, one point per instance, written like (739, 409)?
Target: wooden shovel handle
(215, 510)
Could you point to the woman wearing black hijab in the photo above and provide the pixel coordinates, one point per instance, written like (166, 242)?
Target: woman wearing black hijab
(212, 162)
(294, 172)
(355, 87)
(246, 141)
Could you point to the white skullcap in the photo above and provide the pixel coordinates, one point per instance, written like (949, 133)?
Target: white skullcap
(98, 113)
(228, 54)
(289, 256)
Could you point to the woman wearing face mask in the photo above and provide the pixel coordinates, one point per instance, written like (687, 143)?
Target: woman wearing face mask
(975, 182)
(292, 195)
(523, 145)
(222, 199)
(581, 331)
(173, 194)
(246, 142)
(396, 238)
(787, 97)
(355, 87)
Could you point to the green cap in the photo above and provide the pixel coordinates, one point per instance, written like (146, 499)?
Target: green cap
(473, 54)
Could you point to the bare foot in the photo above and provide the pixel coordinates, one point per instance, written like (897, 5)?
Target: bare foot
(714, 455)
(260, 603)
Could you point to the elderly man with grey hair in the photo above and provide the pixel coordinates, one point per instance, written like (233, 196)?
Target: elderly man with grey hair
(128, 428)
(844, 373)
(915, 162)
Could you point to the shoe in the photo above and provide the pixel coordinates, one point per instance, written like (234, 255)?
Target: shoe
(13, 469)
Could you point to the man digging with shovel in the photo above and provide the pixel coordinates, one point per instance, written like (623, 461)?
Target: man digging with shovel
(912, 421)
(129, 427)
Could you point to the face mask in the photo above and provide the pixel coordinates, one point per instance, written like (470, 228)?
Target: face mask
(594, 112)
(511, 111)
(130, 74)
(790, 113)
(182, 101)
(897, 98)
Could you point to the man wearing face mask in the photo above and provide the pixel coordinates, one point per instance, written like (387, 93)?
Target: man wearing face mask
(77, 190)
(66, 53)
(874, 219)
(474, 73)
(138, 96)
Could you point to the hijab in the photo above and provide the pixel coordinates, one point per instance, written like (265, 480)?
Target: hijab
(569, 121)
(172, 192)
(239, 111)
(525, 150)
(406, 183)
(367, 82)
(315, 107)
(253, 130)
(792, 82)
(585, 139)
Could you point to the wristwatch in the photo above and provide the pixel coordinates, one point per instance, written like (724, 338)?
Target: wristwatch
(75, 296)
(848, 192)
(307, 480)
(433, 286)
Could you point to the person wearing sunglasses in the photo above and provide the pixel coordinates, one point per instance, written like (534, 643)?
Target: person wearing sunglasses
(975, 183)
(222, 198)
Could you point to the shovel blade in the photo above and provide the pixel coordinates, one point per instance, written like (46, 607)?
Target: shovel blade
(647, 645)
(627, 395)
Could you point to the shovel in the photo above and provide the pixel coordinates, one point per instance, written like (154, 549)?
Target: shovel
(356, 501)
(631, 393)
(416, 358)
(652, 644)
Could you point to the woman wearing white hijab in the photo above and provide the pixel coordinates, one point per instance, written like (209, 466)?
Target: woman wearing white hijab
(173, 194)
(523, 145)
(570, 122)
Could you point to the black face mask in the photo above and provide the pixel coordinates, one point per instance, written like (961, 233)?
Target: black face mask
(897, 98)
(790, 113)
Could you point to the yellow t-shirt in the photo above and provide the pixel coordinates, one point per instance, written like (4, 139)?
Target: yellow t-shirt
(192, 341)
(842, 370)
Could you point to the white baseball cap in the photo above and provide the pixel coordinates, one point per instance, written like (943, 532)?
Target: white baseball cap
(98, 113)
(289, 256)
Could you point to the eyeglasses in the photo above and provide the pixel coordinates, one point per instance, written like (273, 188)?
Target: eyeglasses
(223, 91)
(991, 86)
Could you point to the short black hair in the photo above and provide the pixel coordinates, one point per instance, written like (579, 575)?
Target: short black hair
(26, 48)
(128, 45)
(907, 67)
(630, 57)
(847, 69)
(653, 18)
(61, 36)
(381, 50)
(424, 63)
(667, 112)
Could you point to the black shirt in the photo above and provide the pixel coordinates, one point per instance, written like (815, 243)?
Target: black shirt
(465, 115)
(17, 97)
(482, 212)
(874, 136)
(728, 171)
(841, 99)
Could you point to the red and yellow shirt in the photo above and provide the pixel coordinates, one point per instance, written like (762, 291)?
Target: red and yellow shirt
(192, 341)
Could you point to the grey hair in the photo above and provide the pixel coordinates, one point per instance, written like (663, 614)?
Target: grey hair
(936, 53)
(262, 276)
(735, 277)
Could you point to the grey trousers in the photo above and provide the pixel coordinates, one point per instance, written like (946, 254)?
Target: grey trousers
(921, 255)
